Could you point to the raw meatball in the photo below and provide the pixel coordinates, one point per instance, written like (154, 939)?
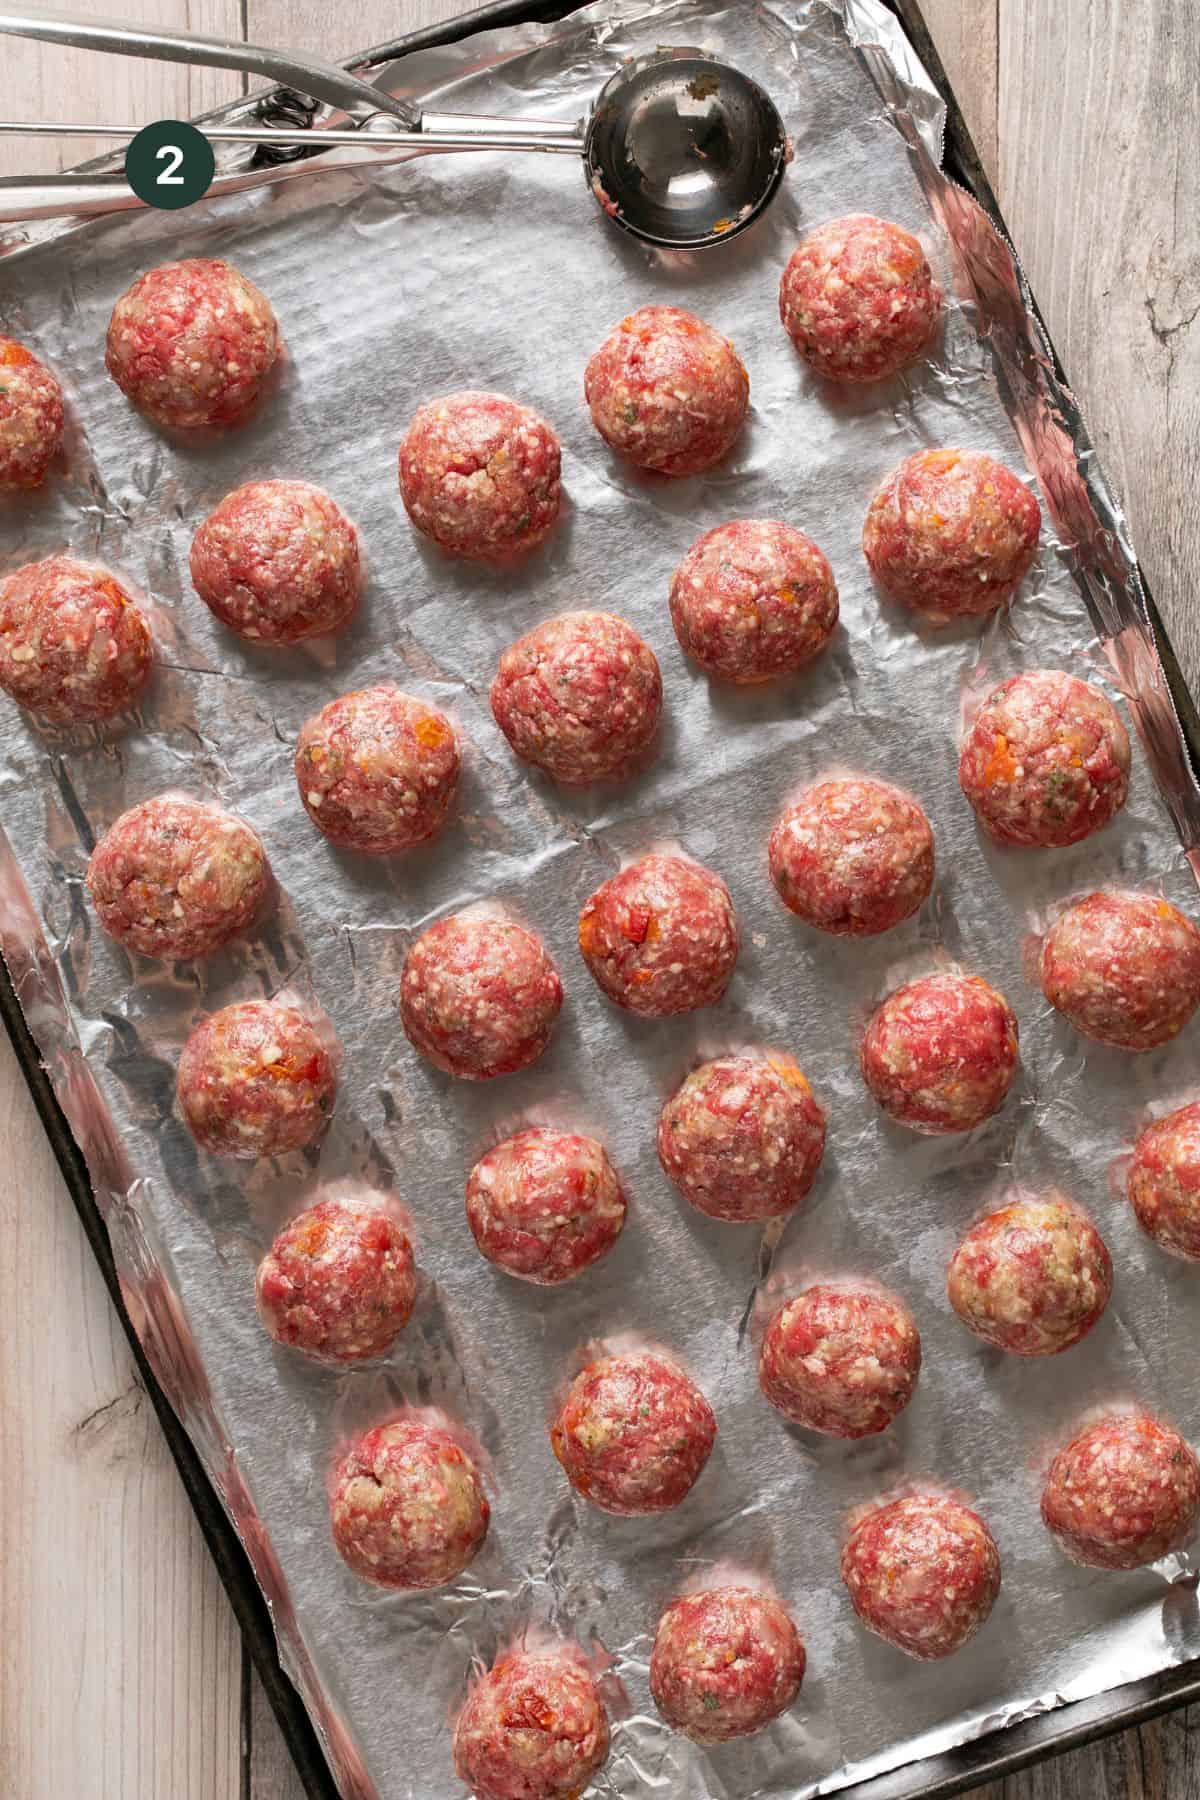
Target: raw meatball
(633, 1433)
(941, 1053)
(667, 392)
(73, 644)
(480, 475)
(533, 1728)
(661, 937)
(545, 1205)
(857, 299)
(1046, 761)
(278, 561)
(31, 417)
(839, 1359)
(1032, 1278)
(338, 1282)
(579, 697)
(743, 1137)
(255, 1079)
(1164, 1181)
(725, 1663)
(752, 600)
(1123, 968)
(1123, 1493)
(852, 857)
(922, 1572)
(951, 533)
(406, 1506)
(175, 877)
(377, 770)
(479, 996)
(192, 343)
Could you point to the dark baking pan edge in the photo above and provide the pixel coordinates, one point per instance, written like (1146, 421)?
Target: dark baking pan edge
(989, 1758)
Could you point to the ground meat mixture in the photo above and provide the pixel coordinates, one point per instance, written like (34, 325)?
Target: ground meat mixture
(338, 1282)
(579, 697)
(1046, 761)
(256, 1079)
(661, 937)
(406, 1505)
(743, 1137)
(951, 534)
(725, 1663)
(1123, 968)
(545, 1205)
(532, 1728)
(841, 1358)
(1032, 1278)
(922, 1572)
(753, 600)
(278, 561)
(377, 770)
(175, 877)
(31, 418)
(192, 343)
(633, 1433)
(479, 996)
(1123, 1493)
(667, 392)
(941, 1053)
(858, 300)
(853, 857)
(74, 646)
(1164, 1181)
(480, 475)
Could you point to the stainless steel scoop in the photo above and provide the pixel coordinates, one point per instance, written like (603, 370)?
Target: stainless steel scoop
(679, 149)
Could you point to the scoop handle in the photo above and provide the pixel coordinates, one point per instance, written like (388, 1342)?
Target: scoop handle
(324, 81)
(24, 198)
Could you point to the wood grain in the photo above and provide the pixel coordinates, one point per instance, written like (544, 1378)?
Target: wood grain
(121, 1676)
(966, 33)
(1099, 179)
(119, 1657)
(46, 83)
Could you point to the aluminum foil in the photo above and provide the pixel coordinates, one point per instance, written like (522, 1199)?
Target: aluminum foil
(499, 272)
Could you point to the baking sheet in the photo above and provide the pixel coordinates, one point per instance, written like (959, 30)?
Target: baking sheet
(498, 272)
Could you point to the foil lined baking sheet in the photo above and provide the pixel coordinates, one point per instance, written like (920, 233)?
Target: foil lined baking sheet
(499, 272)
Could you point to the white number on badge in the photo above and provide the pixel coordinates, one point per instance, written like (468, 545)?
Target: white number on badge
(172, 155)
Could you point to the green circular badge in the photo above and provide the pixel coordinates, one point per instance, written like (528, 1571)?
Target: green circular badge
(169, 164)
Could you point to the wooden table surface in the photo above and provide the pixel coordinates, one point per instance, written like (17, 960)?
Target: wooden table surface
(122, 1676)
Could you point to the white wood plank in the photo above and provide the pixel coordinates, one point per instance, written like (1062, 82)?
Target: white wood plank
(964, 32)
(1100, 182)
(340, 32)
(119, 1658)
(45, 83)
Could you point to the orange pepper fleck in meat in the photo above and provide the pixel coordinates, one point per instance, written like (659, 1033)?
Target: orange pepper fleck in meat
(528, 1713)
(430, 733)
(312, 1238)
(1001, 764)
(15, 356)
(790, 1072)
(110, 588)
(286, 1068)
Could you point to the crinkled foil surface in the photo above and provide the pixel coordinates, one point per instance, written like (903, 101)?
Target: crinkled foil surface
(499, 272)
